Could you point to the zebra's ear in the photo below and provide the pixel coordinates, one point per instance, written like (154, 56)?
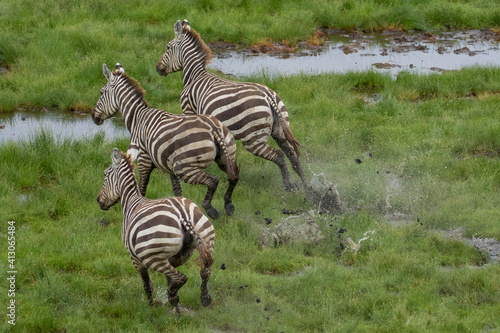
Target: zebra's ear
(178, 28)
(116, 157)
(107, 72)
(185, 25)
(119, 70)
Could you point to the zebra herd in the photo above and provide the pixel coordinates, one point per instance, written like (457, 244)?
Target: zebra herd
(162, 234)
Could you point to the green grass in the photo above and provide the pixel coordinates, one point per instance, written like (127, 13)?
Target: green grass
(429, 148)
(53, 50)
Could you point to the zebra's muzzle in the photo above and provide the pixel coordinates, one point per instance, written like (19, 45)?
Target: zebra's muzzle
(101, 202)
(162, 70)
(96, 119)
(103, 207)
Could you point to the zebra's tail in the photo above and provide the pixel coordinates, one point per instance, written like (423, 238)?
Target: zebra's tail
(231, 166)
(285, 126)
(206, 258)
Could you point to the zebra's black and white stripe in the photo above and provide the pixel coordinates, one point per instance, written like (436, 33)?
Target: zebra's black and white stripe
(159, 234)
(181, 145)
(251, 111)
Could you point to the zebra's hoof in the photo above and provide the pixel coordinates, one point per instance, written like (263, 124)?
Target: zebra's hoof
(206, 299)
(229, 209)
(289, 187)
(213, 213)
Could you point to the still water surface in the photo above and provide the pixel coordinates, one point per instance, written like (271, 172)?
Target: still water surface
(21, 126)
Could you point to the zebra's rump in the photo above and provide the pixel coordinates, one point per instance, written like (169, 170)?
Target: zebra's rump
(156, 234)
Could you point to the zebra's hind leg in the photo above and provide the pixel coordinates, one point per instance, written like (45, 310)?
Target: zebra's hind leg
(212, 182)
(146, 281)
(206, 259)
(228, 197)
(206, 299)
(263, 149)
(175, 281)
(292, 157)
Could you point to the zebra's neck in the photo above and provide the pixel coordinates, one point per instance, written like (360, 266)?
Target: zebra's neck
(130, 102)
(194, 63)
(129, 190)
(130, 112)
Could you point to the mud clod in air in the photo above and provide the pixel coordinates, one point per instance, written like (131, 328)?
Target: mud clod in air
(324, 193)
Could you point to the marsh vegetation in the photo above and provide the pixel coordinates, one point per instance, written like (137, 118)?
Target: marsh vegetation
(415, 159)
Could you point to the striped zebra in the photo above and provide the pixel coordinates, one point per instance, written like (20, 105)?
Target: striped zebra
(182, 146)
(159, 234)
(251, 111)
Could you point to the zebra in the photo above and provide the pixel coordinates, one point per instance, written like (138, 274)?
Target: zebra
(182, 146)
(159, 234)
(251, 111)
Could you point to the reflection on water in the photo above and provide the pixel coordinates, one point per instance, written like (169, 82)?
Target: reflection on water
(62, 125)
(387, 54)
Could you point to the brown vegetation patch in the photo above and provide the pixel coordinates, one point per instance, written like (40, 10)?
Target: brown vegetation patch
(384, 65)
(318, 38)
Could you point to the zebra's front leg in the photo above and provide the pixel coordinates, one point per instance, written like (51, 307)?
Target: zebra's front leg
(145, 166)
(176, 185)
(146, 281)
(292, 157)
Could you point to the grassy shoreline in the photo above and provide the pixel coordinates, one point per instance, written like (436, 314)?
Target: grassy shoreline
(53, 50)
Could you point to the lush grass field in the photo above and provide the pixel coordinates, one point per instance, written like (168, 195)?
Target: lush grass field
(429, 148)
(53, 50)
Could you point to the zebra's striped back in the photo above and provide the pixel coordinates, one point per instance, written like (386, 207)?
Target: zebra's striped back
(183, 146)
(159, 234)
(251, 111)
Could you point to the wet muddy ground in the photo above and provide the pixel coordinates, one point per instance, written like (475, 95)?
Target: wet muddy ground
(337, 51)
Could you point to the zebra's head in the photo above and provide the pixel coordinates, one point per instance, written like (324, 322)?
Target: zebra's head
(110, 192)
(172, 61)
(107, 105)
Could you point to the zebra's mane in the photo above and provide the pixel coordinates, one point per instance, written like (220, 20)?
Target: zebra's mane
(199, 44)
(128, 159)
(139, 91)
